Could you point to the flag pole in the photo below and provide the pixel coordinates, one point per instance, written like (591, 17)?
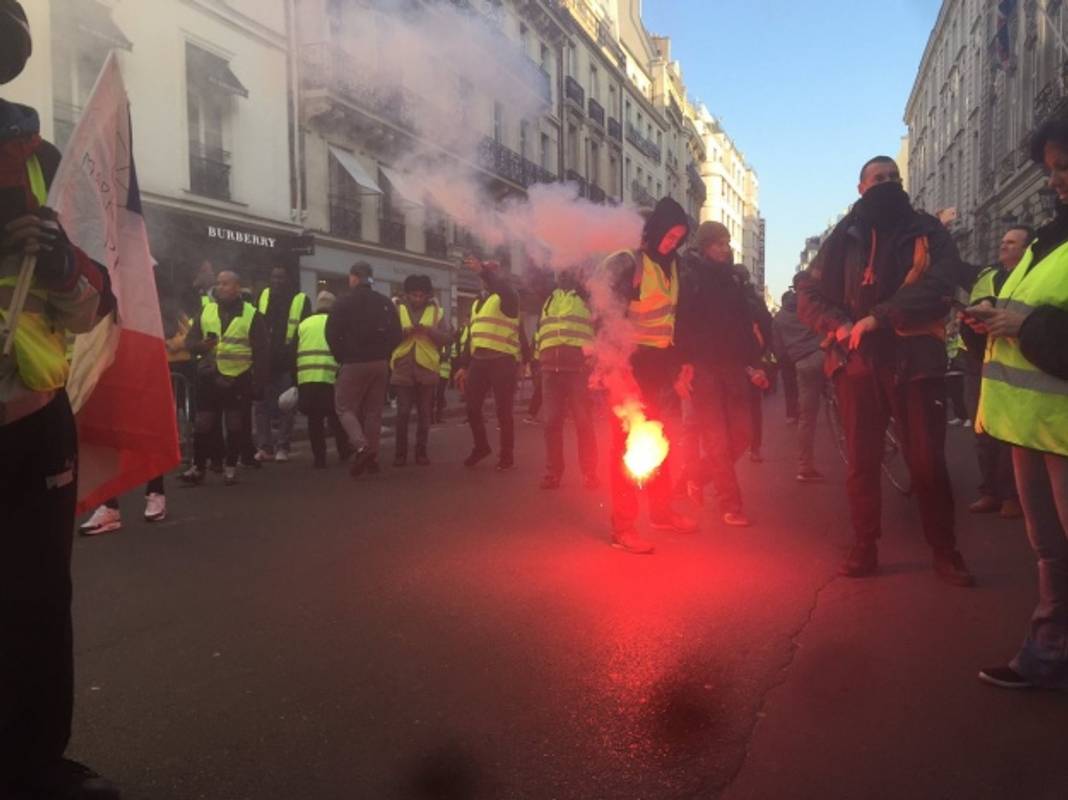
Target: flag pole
(18, 299)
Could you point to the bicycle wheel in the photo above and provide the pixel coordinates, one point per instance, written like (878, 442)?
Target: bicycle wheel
(895, 467)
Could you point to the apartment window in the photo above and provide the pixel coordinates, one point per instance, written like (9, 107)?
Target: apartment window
(595, 92)
(628, 111)
(546, 153)
(613, 104)
(573, 146)
(524, 132)
(641, 173)
(611, 177)
(546, 62)
(210, 90)
(595, 163)
(498, 123)
(572, 61)
(626, 171)
(659, 188)
(346, 212)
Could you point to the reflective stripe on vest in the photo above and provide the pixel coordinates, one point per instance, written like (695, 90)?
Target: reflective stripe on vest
(427, 354)
(492, 330)
(653, 313)
(565, 322)
(233, 354)
(445, 364)
(984, 285)
(296, 308)
(40, 348)
(1018, 402)
(315, 362)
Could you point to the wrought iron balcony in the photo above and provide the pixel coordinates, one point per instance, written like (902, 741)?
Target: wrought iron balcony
(641, 195)
(511, 166)
(574, 92)
(346, 220)
(209, 171)
(615, 130)
(596, 112)
(392, 233)
(327, 67)
(575, 177)
(436, 243)
(597, 194)
(646, 147)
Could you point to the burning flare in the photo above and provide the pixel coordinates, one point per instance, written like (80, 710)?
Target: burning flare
(647, 447)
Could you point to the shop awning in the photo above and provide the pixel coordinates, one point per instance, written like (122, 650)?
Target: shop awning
(352, 165)
(95, 19)
(405, 187)
(214, 70)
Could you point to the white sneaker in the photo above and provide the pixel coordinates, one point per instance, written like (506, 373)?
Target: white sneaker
(966, 424)
(104, 520)
(955, 421)
(229, 475)
(155, 507)
(262, 455)
(281, 455)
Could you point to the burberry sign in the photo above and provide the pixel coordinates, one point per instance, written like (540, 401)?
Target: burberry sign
(241, 237)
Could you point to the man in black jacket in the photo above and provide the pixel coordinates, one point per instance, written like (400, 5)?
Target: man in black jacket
(721, 362)
(362, 330)
(882, 284)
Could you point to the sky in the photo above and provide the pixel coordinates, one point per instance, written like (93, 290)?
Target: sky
(808, 91)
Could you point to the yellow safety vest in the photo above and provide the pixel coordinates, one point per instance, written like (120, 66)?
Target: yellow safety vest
(445, 364)
(233, 354)
(1018, 402)
(984, 285)
(427, 354)
(653, 313)
(492, 330)
(40, 348)
(315, 362)
(296, 308)
(565, 322)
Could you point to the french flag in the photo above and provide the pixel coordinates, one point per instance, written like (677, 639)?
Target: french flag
(119, 385)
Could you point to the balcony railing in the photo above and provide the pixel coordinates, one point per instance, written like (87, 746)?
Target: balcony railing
(641, 195)
(209, 171)
(615, 130)
(597, 194)
(508, 164)
(346, 220)
(574, 92)
(330, 68)
(648, 148)
(575, 177)
(596, 112)
(392, 234)
(436, 243)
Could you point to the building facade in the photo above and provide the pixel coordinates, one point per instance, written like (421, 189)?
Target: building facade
(986, 80)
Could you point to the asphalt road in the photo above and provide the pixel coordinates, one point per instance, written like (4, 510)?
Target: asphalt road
(444, 633)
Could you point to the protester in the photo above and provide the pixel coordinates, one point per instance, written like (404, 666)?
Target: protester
(997, 488)
(231, 338)
(316, 372)
(722, 362)
(880, 283)
(38, 472)
(1024, 401)
(283, 309)
(562, 341)
(362, 330)
(800, 346)
(646, 286)
(416, 365)
(955, 376)
(761, 332)
(490, 362)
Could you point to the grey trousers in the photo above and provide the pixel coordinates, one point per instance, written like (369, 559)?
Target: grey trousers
(359, 396)
(810, 383)
(1042, 482)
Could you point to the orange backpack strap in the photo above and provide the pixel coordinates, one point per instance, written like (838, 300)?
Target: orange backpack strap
(921, 260)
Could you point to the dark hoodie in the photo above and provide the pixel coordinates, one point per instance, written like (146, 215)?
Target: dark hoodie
(665, 216)
(793, 339)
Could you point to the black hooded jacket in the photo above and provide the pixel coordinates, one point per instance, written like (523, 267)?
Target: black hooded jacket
(667, 215)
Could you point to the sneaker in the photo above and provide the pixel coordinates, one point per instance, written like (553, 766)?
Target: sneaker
(1010, 509)
(755, 456)
(262, 455)
(590, 483)
(69, 779)
(360, 459)
(736, 519)
(192, 476)
(281, 456)
(955, 421)
(985, 505)
(967, 423)
(400, 460)
(229, 476)
(476, 456)
(676, 523)
(809, 476)
(422, 460)
(103, 520)
(155, 507)
(504, 464)
(950, 567)
(1005, 677)
(862, 561)
(631, 542)
(550, 481)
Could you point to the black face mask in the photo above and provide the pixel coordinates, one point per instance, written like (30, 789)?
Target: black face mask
(15, 43)
(885, 204)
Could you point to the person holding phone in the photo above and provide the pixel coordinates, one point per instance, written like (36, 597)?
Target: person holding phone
(1024, 401)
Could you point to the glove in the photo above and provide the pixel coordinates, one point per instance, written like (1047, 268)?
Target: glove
(39, 233)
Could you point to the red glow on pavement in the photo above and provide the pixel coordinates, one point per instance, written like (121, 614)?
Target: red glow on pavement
(647, 447)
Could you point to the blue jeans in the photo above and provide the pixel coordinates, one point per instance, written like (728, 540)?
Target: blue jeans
(267, 411)
(1042, 481)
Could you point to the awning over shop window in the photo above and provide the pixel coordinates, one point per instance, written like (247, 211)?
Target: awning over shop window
(213, 70)
(405, 186)
(95, 19)
(352, 165)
